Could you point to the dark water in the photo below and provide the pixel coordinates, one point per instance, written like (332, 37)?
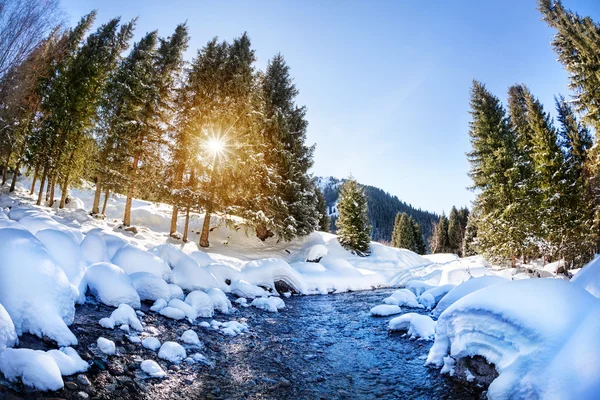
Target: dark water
(318, 347)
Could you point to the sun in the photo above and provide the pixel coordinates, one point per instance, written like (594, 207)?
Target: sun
(215, 146)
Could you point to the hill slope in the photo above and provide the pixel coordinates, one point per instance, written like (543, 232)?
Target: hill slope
(383, 208)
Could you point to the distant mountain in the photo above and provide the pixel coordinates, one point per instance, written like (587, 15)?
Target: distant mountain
(383, 208)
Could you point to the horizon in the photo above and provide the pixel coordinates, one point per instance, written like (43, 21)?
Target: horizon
(410, 108)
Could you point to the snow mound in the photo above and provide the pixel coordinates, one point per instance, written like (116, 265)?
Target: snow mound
(384, 310)
(158, 305)
(123, 315)
(416, 325)
(150, 287)
(190, 337)
(172, 313)
(203, 259)
(176, 292)
(542, 335)
(133, 259)
(188, 275)
(403, 297)
(8, 335)
(430, 297)
(151, 343)
(316, 252)
(223, 274)
(36, 369)
(271, 304)
(172, 351)
(188, 310)
(242, 288)
(152, 368)
(110, 285)
(106, 346)
(470, 286)
(268, 271)
(35, 292)
(93, 249)
(68, 361)
(234, 328)
(220, 301)
(589, 277)
(418, 287)
(201, 302)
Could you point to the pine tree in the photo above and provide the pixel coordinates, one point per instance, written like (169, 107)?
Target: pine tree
(324, 221)
(395, 242)
(404, 233)
(420, 247)
(469, 245)
(353, 228)
(454, 231)
(440, 240)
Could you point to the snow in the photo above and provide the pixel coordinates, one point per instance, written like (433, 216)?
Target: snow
(430, 297)
(151, 343)
(271, 304)
(201, 302)
(149, 286)
(190, 337)
(93, 249)
(36, 369)
(110, 285)
(316, 252)
(172, 313)
(416, 325)
(384, 310)
(267, 271)
(234, 328)
(152, 368)
(8, 335)
(403, 297)
(106, 346)
(589, 277)
(188, 275)
(124, 314)
(242, 288)
(542, 335)
(133, 259)
(219, 300)
(470, 286)
(172, 352)
(159, 305)
(188, 310)
(68, 361)
(176, 292)
(35, 292)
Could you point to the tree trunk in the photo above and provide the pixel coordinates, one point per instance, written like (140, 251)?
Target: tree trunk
(96, 206)
(65, 192)
(263, 233)
(130, 190)
(187, 224)
(52, 186)
(41, 194)
(513, 262)
(5, 171)
(106, 193)
(35, 175)
(174, 220)
(48, 185)
(205, 229)
(15, 175)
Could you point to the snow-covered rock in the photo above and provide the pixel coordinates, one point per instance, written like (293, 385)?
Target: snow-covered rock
(188, 275)
(418, 287)
(316, 252)
(149, 286)
(430, 297)
(133, 259)
(152, 368)
(403, 297)
(234, 328)
(8, 335)
(416, 325)
(172, 351)
(201, 302)
(106, 346)
(110, 285)
(542, 335)
(68, 361)
(151, 343)
(242, 288)
(268, 271)
(176, 292)
(383, 310)
(188, 310)
(172, 313)
(35, 292)
(219, 300)
(223, 274)
(271, 304)
(203, 259)
(93, 249)
(158, 305)
(123, 315)
(36, 369)
(190, 337)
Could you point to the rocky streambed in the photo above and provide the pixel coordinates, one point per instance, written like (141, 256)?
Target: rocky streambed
(317, 347)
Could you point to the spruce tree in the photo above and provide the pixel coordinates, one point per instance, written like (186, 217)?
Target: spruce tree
(324, 221)
(404, 234)
(454, 231)
(353, 228)
(420, 247)
(469, 245)
(440, 240)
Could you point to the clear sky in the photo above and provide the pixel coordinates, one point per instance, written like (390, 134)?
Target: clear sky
(386, 83)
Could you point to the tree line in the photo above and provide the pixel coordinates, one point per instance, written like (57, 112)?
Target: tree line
(536, 177)
(215, 135)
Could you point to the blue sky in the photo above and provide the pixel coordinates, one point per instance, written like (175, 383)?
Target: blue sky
(386, 83)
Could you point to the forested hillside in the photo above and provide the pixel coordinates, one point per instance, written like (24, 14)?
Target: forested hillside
(382, 210)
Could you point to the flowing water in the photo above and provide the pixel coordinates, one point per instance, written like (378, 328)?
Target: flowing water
(318, 347)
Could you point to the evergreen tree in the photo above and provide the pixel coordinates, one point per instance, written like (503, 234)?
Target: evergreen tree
(454, 231)
(353, 224)
(440, 240)
(324, 221)
(420, 247)
(395, 242)
(469, 245)
(404, 233)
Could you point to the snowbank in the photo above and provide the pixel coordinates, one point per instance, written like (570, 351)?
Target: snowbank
(8, 335)
(150, 287)
(542, 335)
(267, 272)
(35, 292)
(133, 259)
(111, 285)
(271, 304)
(470, 286)
(589, 277)
(416, 325)
(36, 369)
(403, 297)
